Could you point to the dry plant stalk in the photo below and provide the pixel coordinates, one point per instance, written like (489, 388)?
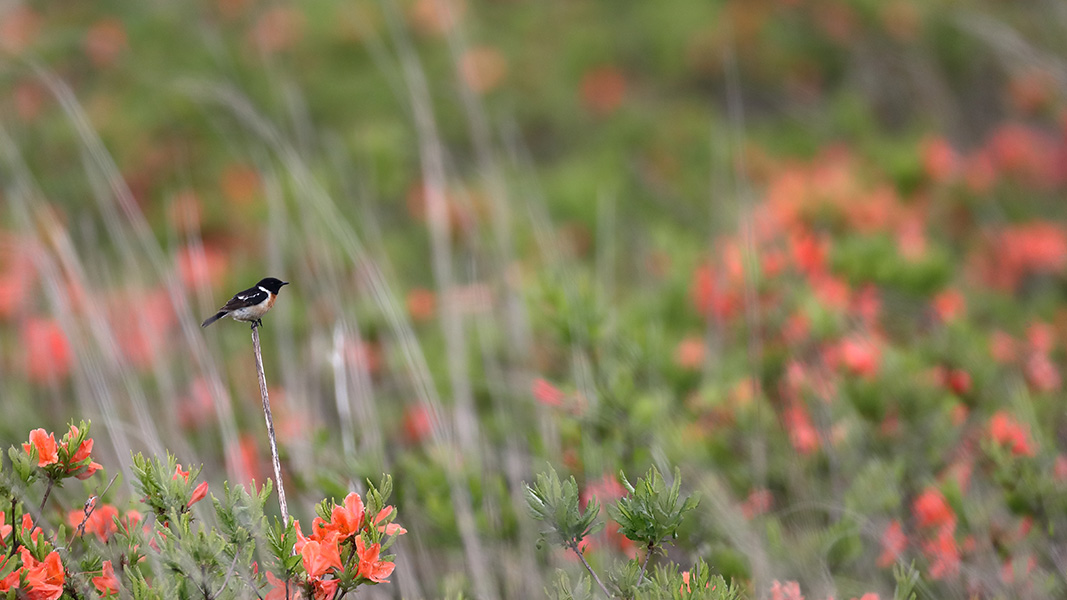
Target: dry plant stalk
(270, 426)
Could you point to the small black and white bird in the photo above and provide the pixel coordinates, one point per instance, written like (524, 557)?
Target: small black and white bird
(250, 305)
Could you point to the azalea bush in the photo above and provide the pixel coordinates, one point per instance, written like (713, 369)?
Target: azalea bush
(165, 548)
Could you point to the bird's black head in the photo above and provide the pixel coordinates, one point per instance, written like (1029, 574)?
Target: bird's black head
(272, 284)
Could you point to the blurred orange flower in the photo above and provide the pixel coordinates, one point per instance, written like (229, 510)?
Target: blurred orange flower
(798, 424)
(1008, 433)
(436, 17)
(949, 305)
(893, 543)
(204, 266)
(48, 353)
(932, 510)
(105, 41)
(943, 553)
(758, 502)
(546, 393)
(277, 29)
(483, 68)
(422, 304)
(101, 521)
(18, 28)
(1042, 374)
(106, 583)
(5, 529)
(860, 355)
(603, 89)
(690, 353)
(418, 422)
(940, 160)
(240, 183)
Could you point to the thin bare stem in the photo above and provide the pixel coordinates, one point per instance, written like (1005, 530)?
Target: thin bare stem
(644, 564)
(589, 568)
(90, 506)
(226, 580)
(47, 493)
(270, 426)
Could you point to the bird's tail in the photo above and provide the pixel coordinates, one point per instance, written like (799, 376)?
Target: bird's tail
(214, 318)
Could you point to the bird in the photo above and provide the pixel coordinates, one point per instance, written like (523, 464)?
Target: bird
(250, 305)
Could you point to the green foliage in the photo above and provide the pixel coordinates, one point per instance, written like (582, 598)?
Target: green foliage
(166, 491)
(651, 513)
(556, 504)
(563, 589)
(696, 584)
(907, 578)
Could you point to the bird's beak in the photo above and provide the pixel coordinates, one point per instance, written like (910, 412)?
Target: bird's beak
(285, 283)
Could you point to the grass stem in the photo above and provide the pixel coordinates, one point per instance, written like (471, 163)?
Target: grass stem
(270, 426)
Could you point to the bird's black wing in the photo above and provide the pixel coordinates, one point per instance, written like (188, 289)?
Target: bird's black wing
(249, 297)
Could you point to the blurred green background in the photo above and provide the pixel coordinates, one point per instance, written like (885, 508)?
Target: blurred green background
(804, 249)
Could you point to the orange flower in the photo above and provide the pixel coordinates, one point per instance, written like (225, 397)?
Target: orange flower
(436, 17)
(603, 89)
(940, 160)
(5, 530)
(44, 580)
(689, 354)
(1042, 374)
(418, 422)
(278, 29)
(546, 393)
(369, 566)
(101, 521)
(178, 472)
(943, 553)
(12, 579)
(105, 41)
(324, 589)
(949, 304)
(893, 543)
(205, 266)
(710, 295)
(47, 351)
(789, 591)
(106, 583)
(347, 519)
(389, 528)
(45, 443)
(80, 455)
(758, 502)
(802, 433)
(422, 304)
(278, 591)
(320, 557)
(240, 183)
(483, 68)
(198, 494)
(860, 356)
(1009, 433)
(931, 509)
(27, 525)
